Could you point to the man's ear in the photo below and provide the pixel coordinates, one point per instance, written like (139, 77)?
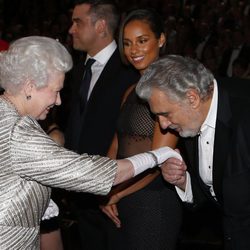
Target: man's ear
(193, 98)
(101, 26)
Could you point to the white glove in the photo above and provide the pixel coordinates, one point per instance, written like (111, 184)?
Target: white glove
(51, 211)
(162, 154)
(146, 160)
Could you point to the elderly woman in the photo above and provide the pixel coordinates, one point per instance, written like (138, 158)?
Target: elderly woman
(32, 74)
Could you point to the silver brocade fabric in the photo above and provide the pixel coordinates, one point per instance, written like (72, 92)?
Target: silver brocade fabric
(31, 163)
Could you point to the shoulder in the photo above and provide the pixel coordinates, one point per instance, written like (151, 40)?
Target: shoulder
(27, 124)
(236, 87)
(234, 95)
(128, 92)
(8, 116)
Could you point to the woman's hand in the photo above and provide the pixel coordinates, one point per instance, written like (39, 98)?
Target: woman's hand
(112, 212)
(110, 209)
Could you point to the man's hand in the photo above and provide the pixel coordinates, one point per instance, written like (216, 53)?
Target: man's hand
(174, 172)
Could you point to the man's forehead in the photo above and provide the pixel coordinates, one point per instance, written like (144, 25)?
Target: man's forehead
(158, 101)
(158, 95)
(82, 9)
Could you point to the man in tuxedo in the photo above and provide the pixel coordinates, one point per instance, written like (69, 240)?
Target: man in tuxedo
(214, 121)
(92, 124)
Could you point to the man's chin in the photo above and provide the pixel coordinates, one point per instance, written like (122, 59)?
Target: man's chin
(77, 46)
(186, 134)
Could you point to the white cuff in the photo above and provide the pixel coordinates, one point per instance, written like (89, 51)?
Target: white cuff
(187, 195)
(51, 211)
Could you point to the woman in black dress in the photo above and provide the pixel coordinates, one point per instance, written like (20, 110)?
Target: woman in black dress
(146, 210)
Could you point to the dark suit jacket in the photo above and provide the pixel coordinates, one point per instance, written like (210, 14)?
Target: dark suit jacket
(92, 131)
(231, 162)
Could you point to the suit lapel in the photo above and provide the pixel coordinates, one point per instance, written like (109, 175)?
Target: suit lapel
(108, 71)
(221, 145)
(221, 141)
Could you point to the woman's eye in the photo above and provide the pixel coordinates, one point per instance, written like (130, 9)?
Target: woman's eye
(143, 41)
(125, 44)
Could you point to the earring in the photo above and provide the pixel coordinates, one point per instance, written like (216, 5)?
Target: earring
(28, 97)
(160, 45)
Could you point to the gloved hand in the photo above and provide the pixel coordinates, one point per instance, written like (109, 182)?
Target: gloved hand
(146, 160)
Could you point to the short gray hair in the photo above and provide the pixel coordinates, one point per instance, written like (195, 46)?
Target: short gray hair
(174, 75)
(32, 58)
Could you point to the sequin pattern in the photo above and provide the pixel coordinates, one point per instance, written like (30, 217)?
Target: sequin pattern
(31, 163)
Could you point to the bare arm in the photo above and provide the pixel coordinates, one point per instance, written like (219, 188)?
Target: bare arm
(160, 139)
(58, 136)
(124, 172)
(112, 152)
(131, 186)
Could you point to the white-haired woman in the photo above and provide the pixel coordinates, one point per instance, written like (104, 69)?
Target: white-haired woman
(32, 74)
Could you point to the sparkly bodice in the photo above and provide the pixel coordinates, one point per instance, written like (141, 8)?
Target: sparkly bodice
(135, 127)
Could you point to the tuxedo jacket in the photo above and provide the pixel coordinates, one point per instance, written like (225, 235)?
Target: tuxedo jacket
(92, 130)
(231, 162)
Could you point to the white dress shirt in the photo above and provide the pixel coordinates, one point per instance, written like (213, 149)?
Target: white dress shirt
(101, 58)
(206, 151)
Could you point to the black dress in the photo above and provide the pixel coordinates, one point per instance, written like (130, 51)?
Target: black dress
(151, 217)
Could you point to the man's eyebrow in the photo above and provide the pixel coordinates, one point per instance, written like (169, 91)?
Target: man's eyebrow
(76, 19)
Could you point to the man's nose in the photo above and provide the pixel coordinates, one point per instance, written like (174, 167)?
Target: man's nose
(72, 29)
(164, 122)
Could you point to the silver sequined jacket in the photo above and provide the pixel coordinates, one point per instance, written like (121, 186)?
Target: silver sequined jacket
(30, 164)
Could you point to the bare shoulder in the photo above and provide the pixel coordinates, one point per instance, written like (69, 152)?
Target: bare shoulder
(127, 92)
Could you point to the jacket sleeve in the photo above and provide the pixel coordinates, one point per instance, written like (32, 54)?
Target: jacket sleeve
(236, 188)
(36, 157)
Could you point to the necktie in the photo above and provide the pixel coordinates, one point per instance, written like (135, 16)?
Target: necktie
(84, 89)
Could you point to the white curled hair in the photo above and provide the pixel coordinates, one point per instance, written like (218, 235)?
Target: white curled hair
(32, 58)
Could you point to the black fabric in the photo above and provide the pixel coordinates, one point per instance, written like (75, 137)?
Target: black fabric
(47, 226)
(141, 120)
(84, 88)
(135, 127)
(151, 217)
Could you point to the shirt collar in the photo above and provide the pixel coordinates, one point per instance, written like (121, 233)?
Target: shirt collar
(103, 56)
(210, 120)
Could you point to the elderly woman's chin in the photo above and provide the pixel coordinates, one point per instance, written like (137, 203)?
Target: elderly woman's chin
(43, 115)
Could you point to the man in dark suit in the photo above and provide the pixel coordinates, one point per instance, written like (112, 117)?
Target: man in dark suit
(91, 127)
(214, 121)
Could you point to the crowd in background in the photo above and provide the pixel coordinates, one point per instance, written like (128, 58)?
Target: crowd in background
(207, 30)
